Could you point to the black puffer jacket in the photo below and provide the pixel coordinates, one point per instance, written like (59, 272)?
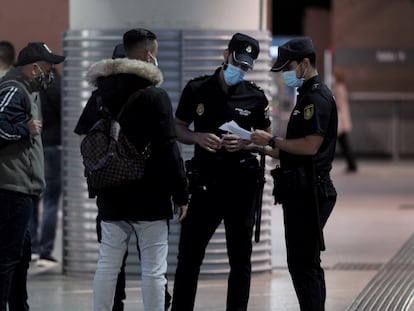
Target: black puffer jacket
(150, 118)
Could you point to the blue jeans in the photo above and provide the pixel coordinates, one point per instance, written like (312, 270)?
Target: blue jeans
(152, 240)
(53, 168)
(15, 249)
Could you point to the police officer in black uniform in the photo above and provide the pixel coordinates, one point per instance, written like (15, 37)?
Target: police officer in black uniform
(302, 183)
(223, 173)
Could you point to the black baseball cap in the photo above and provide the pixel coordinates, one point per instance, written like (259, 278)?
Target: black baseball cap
(244, 49)
(119, 51)
(293, 50)
(37, 51)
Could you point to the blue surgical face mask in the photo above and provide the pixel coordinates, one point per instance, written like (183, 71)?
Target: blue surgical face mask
(290, 79)
(233, 75)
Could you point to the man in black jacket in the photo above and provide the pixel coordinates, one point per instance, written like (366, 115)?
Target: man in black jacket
(144, 207)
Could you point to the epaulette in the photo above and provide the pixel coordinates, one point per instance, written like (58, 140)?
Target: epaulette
(316, 86)
(251, 83)
(200, 77)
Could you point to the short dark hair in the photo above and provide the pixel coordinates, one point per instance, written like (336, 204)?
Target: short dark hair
(138, 37)
(7, 52)
(312, 59)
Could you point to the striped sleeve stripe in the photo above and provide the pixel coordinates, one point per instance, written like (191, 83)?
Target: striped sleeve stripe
(3, 104)
(7, 136)
(6, 100)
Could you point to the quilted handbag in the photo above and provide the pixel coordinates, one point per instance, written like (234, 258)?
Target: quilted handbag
(109, 158)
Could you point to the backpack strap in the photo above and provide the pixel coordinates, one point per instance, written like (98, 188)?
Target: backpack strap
(130, 100)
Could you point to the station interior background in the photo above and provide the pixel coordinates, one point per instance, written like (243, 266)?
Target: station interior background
(370, 40)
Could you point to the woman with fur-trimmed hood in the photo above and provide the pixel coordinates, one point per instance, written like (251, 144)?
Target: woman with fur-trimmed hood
(144, 207)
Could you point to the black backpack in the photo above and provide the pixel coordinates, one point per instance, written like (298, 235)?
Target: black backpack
(109, 158)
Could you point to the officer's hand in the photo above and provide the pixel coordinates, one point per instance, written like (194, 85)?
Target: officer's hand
(35, 127)
(260, 137)
(182, 209)
(209, 141)
(232, 142)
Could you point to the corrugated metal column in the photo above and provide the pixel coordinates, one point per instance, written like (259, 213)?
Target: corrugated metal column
(182, 56)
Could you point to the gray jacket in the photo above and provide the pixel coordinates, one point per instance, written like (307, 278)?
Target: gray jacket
(21, 157)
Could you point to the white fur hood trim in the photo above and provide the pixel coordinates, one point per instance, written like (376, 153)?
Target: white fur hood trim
(107, 67)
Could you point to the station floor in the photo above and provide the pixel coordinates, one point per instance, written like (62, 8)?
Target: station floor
(373, 218)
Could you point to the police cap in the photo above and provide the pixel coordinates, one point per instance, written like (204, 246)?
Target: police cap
(295, 49)
(244, 49)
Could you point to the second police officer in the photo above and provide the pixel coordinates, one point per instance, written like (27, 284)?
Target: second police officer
(302, 183)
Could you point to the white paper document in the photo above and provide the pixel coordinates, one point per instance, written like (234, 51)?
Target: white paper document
(234, 128)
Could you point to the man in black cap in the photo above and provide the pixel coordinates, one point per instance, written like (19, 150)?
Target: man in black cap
(302, 184)
(225, 174)
(21, 166)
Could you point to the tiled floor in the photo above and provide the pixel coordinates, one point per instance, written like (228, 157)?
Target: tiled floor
(373, 217)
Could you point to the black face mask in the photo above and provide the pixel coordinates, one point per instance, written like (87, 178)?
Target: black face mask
(44, 80)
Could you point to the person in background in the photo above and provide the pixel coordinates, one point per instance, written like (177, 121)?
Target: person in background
(7, 55)
(340, 92)
(227, 174)
(302, 183)
(143, 208)
(43, 241)
(21, 166)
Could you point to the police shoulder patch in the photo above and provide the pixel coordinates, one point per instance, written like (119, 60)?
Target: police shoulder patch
(308, 111)
(251, 83)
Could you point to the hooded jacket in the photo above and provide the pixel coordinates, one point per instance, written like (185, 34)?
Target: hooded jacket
(21, 157)
(147, 119)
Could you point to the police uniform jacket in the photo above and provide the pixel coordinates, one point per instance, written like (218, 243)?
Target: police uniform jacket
(21, 157)
(148, 119)
(314, 113)
(204, 102)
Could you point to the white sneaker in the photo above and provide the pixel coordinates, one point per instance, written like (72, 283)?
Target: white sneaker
(35, 256)
(46, 263)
